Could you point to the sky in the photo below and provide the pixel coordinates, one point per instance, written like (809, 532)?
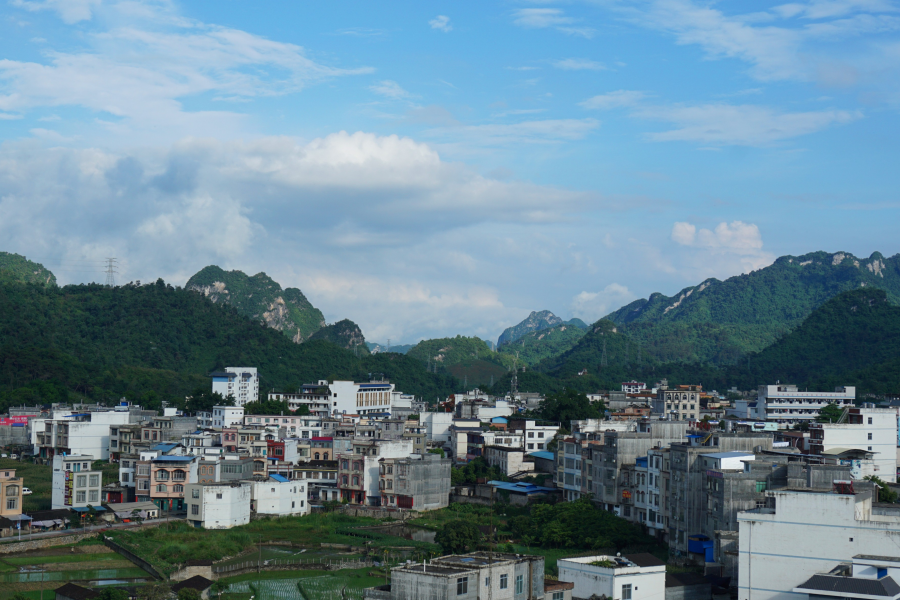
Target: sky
(443, 168)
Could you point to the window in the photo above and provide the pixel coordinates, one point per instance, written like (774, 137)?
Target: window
(487, 582)
(195, 493)
(870, 420)
(179, 489)
(504, 582)
(558, 595)
(626, 591)
(462, 586)
(161, 488)
(95, 480)
(870, 436)
(195, 509)
(218, 496)
(79, 497)
(93, 496)
(12, 503)
(81, 481)
(520, 584)
(12, 490)
(531, 434)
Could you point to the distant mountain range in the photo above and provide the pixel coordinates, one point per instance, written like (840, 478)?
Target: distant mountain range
(536, 321)
(721, 321)
(398, 348)
(15, 268)
(260, 297)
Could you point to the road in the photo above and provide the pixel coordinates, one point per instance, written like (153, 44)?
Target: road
(90, 528)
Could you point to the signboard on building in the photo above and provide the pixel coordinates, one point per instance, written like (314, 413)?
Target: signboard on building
(19, 420)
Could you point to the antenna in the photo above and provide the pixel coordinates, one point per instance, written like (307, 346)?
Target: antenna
(111, 272)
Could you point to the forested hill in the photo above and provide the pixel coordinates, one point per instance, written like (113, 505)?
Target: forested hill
(536, 346)
(102, 343)
(720, 321)
(536, 321)
(345, 334)
(260, 297)
(15, 268)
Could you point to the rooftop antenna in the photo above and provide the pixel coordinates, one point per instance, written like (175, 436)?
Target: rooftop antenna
(111, 272)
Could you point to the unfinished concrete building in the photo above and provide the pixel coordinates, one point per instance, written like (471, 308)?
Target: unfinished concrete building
(417, 482)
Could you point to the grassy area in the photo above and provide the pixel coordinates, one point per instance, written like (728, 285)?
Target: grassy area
(316, 585)
(168, 547)
(38, 478)
(435, 519)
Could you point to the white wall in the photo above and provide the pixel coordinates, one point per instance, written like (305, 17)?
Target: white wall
(76, 471)
(272, 497)
(231, 510)
(809, 533)
(647, 583)
(883, 442)
(437, 425)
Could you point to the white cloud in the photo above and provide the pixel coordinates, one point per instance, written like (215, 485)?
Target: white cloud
(578, 64)
(541, 18)
(617, 99)
(718, 252)
(389, 89)
(591, 306)
(9, 116)
(684, 233)
(441, 22)
(528, 132)
(70, 11)
(737, 236)
(740, 125)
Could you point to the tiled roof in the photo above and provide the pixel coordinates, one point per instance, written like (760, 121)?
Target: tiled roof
(885, 587)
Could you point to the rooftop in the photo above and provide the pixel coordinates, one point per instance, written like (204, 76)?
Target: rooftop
(885, 587)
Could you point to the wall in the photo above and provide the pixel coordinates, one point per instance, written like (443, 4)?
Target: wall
(47, 542)
(646, 583)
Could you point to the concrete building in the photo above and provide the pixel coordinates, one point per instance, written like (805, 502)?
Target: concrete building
(240, 383)
(632, 577)
(681, 403)
(799, 535)
(75, 485)
(417, 482)
(218, 505)
(300, 426)
(359, 469)
(863, 577)
(437, 426)
(10, 493)
(511, 461)
(537, 434)
(279, 496)
(169, 476)
(220, 416)
(869, 429)
(474, 576)
(341, 397)
(633, 387)
(787, 406)
(82, 433)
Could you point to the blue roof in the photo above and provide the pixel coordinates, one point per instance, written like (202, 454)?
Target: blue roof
(695, 436)
(522, 488)
(164, 447)
(375, 385)
(81, 509)
(641, 461)
(542, 454)
(499, 420)
(279, 478)
(174, 459)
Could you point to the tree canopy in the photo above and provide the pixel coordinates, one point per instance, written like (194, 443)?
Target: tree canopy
(458, 537)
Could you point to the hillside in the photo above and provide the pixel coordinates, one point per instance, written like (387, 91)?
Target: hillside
(345, 334)
(469, 359)
(398, 348)
(260, 297)
(545, 343)
(100, 343)
(720, 321)
(536, 321)
(15, 268)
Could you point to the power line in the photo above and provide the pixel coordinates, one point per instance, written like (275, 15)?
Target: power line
(111, 272)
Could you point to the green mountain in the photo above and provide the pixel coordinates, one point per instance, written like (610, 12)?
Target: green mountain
(398, 348)
(15, 268)
(720, 321)
(545, 343)
(156, 342)
(468, 359)
(345, 334)
(536, 321)
(260, 297)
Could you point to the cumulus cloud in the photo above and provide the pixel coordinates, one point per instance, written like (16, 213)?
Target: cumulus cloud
(725, 248)
(616, 99)
(591, 306)
(441, 22)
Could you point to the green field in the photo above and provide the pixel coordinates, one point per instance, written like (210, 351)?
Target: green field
(313, 585)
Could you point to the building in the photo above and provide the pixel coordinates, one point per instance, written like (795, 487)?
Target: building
(509, 460)
(864, 577)
(10, 493)
(168, 477)
(359, 470)
(75, 485)
(347, 397)
(321, 479)
(801, 534)
(787, 406)
(220, 416)
(681, 403)
(632, 577)
(633, 387)
(873, 430)
(299, 426)
(537, 434)
(473, 576)
(280, 496)
(169, 428)
(81, 433)
(218, 505)
(417, 482)
(239, 383)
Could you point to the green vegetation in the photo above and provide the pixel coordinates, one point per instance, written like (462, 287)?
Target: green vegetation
(468, 359)
(344, 334)
(15, 268)
(458, 537)
(155, 342)
(536, 346)
(273, 407)
(261, 298)
(830, 414)
(570, 405)
(474, 470)
(885, 493)
(536, 321)
(720, 321)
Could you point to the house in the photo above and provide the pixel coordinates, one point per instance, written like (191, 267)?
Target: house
(239, 383)
(417, 482)
(864, 577)
(197, 582)
(633, 577)
(70, 591)
(125, 510)
(80, 433)
(872, 430)
(522, 493)
(168, 477)
(558, 590)
(509, 460)
(218, 505)
(787, 405)
(358, 471)
(220, 416)
(10, 493)
(280, 496)
(74, 483)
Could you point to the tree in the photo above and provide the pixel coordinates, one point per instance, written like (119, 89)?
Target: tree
(885, 493)
(272, 407)
(203, 399)
(111, 593)
(156, 590)
(569, 405)
(136, 516)
(437, 451)
(458, 537)
(220, 586)
(188, 594)
(830, 414)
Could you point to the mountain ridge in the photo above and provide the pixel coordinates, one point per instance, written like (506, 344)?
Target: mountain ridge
(536, 321)
(15, 268)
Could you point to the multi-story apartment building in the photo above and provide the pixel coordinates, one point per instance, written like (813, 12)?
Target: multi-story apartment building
(220, 416)
(537, 434)
(218, 505)
(347, 397)
(121, 439)
(358, 470)
(787, 405)
(239, 383)
(633, 387)
(167, 429)
(417, 482)
(574, 466)
(10, 493)
(82, 433)
(303, 426)
(321, 477)
(75, 485)
(320, 448)
(278, 495)
(168, 476)
(681, 403)
(871, 430)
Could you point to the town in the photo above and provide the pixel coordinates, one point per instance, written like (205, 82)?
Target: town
(754, 494)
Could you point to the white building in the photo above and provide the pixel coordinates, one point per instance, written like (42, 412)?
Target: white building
(84, 433)
(633, 387)
(508, 460)
(870, 429)
(786, 405)
(537, 433)
(808, 533)
(342, 397)
(278, 495)
(241, 383)
(218, 505)
(632, 577)
(437, 426)
(864, 577)
(304, 426)
(504, 438)
(75, 485)
(220, 416)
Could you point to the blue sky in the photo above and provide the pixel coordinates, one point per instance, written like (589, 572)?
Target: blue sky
(429, 169)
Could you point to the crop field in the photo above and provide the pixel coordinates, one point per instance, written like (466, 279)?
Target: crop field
(333, 586)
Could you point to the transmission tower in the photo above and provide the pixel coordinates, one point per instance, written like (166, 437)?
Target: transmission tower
(603, 357)
(111, 271)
